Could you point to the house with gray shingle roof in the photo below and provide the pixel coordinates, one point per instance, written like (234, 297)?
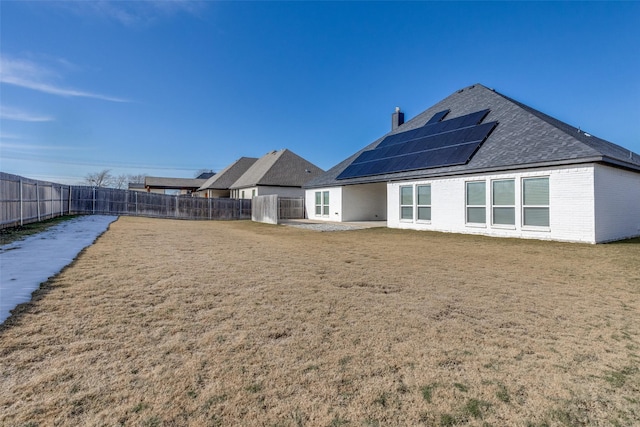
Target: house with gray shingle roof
(279, 172)
(219, 185)
(480, 162)
(166, 185)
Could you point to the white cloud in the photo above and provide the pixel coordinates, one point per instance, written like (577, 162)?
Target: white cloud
(7, 113)
(29, 75)
(133, 13)
(10, 137)
(22, 148)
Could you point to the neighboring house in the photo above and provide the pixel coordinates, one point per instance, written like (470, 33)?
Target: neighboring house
(278, 172)
(206, 175)
(162, 185)
(479, 162)
(136, 186)
(219, 184)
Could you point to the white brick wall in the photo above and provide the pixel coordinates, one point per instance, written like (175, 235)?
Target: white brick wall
(364, 202)
(590, 203)
(570, 197)
(617, 208)
(265, 190)
(335, 204)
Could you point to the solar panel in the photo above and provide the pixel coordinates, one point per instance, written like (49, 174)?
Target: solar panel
(435, 128)
(438, 117)
(436, 144)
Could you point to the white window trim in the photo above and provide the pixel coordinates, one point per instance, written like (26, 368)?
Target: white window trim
(412, 206)
(325, 204)
(538, 228)
(316, 205)
(418, 220)
(466, 216)
(514, 206)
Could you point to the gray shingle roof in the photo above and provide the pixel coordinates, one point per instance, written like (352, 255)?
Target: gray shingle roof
(281, 168)
(524, 137)
(205, 175)
(224, 179)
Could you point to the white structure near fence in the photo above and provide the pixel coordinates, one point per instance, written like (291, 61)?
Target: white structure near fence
(479, 162)
(272, 208)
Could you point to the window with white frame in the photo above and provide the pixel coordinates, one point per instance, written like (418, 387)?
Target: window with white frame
(535, 202)
(322, 203)
(318, 203)
(503, 201)
(423, 195)
(325, 203)
(476, 202)
(406, 202)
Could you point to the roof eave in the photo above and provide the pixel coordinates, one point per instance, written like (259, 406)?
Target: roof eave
(584, 160)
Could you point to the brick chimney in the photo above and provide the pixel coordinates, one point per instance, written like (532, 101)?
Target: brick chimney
(397, 119)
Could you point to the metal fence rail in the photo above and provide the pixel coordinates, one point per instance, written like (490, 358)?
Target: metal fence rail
(24, 200)
(291, 208)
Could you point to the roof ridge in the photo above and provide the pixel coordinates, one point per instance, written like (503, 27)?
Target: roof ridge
(584, 138)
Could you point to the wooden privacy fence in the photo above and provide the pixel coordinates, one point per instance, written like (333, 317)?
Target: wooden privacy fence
(112, 201)
(271, 209)
(24, 200)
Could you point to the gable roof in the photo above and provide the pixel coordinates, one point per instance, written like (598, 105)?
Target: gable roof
(524, 137)
(205, 175)
(227, 176)
(281, 168)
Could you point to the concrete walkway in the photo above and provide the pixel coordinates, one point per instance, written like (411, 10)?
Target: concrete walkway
(312, 224)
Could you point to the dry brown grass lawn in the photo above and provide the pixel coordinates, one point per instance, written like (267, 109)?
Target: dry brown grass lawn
(241, 324)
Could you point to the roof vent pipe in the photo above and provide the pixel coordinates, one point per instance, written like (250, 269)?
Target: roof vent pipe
(397, 119)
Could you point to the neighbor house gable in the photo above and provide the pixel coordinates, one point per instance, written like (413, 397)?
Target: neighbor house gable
(278, 169)
(224, 179)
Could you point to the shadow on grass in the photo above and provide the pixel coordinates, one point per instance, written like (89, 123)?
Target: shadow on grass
(11, 234)
(633, 241)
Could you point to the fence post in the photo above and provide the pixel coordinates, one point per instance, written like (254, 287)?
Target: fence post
(38, 200)
(209, 207)
(136, 194)
(176, 206)
(49, 205)
(21, 208)
(93, 208)
(61, 202)
(69, 200)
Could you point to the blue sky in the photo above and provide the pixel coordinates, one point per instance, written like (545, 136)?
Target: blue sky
(169, 88)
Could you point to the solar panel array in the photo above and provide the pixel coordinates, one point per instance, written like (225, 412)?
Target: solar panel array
(436, 144)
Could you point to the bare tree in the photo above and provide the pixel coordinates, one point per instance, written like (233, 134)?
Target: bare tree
(121, 182)
(99, 179)
(137, 179)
